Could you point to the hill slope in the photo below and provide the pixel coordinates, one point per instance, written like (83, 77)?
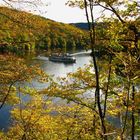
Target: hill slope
(24, 31)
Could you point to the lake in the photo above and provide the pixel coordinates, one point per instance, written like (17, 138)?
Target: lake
(52, 68)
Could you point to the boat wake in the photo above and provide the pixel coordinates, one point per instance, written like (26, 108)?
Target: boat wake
(42, 58)
(81, 53)
(39, 57)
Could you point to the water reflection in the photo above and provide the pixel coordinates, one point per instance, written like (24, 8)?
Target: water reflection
(5, 117)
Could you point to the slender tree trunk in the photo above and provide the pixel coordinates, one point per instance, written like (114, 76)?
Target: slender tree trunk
(133, 111)
(108, 82)
(6, 96)
(97, 90)
(136, 51)
(126, 113)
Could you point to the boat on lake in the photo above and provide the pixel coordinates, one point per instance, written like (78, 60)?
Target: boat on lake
(64, 58)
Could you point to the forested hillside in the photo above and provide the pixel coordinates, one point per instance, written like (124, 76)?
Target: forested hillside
(24, 31)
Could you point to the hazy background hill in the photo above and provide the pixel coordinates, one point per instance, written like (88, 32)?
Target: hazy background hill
(83, 26)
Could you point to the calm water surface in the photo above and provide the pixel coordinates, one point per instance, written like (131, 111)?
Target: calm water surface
(52, 68)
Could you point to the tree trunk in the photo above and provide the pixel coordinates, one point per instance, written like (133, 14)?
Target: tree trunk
(97, 90)
(133, 111)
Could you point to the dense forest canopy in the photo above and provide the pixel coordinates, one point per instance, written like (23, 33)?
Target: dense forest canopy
(24, 31)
